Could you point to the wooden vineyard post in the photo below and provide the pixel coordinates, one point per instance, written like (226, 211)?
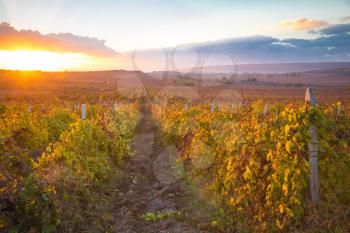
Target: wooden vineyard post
(212, 107)
(340, 108)
(165, 102)
(115, 107)
(186, 106)
(266, 109)
(30, 108)
(313, 156)
(83, 111)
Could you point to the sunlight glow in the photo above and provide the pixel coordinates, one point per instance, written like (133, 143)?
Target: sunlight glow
(39, 60)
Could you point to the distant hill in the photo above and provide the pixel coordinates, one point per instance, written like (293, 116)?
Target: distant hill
(45, 81)
(272, 68)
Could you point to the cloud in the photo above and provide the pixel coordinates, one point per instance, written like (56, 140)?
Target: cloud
(304, 24)
(255, 49)
(286, 44)
(337, 29)
(345, 19)
(12, 39)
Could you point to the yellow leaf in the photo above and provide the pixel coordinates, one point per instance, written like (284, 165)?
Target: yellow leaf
(287, 129)
(278, 224)
(278, 145)
(214, 223)
(247, 173)
(289, 147)
(285, 189)
(269, 156)
(232, 201)
(283, 114)
(281, 209)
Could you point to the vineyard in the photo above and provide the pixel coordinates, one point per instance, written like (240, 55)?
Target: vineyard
(57, 170)
(96, 164)
(257, 165)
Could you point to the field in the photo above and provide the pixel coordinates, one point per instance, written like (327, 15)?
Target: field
(172, 153)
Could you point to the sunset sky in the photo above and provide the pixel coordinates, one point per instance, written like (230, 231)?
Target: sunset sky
(98, 34)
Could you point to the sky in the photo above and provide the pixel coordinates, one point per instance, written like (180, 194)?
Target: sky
(107, 28)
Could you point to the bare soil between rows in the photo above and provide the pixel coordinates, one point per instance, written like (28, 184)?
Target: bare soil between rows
(154, 183)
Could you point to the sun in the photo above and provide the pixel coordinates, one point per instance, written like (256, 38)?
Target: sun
(39, 60)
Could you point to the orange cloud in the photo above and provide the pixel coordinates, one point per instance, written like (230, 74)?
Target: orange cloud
(12, 39)
(304, 24)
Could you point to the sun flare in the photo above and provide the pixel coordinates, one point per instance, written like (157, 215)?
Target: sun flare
(39, 60)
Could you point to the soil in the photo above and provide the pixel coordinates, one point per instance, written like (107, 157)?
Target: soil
(155, 183)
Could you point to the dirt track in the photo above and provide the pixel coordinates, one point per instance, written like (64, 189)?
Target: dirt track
(153, 183)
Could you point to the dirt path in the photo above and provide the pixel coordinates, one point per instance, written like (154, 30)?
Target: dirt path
(152, 184)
